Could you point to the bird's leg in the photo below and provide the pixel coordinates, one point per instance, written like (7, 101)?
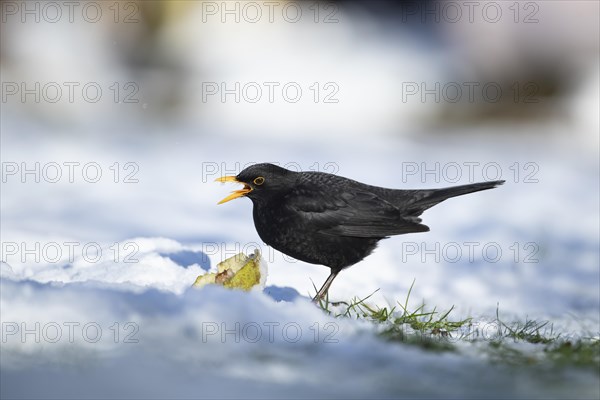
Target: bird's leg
(323, 291)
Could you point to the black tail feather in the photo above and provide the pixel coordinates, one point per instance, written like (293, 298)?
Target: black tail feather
(436, 196)
(439, 195)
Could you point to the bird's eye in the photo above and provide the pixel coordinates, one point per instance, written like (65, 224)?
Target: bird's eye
(259, 181)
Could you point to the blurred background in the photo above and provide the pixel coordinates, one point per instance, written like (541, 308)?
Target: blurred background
(116, 117)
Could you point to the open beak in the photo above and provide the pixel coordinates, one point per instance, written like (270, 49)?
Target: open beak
(236, 193)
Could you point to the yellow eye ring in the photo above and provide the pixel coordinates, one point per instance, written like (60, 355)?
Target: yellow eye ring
(259, 181)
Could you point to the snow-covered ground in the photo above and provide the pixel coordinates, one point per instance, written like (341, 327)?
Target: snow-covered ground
(109, 209)
(160, 338)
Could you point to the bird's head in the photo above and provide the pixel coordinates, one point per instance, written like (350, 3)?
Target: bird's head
(260, 181)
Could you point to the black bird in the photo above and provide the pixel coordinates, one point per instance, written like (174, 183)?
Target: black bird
(326, 219)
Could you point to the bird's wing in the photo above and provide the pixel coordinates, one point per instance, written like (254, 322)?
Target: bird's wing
(353, 213)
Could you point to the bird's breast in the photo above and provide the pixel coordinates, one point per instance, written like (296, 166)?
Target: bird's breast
(299, 238)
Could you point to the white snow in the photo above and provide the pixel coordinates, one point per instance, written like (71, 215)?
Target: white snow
(96, 273)
(205, 342)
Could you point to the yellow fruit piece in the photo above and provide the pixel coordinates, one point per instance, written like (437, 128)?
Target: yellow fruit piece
(206, 279)
(234, 263)
(246, 278)
(237, 272)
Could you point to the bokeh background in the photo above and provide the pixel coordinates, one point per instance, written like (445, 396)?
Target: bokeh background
(160, 98)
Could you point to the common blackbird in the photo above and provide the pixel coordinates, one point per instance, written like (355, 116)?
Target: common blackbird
(326, 219)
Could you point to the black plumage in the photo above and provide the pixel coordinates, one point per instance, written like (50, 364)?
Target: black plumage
(326, 219)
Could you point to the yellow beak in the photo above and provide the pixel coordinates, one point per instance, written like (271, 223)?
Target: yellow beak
(236, 193)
